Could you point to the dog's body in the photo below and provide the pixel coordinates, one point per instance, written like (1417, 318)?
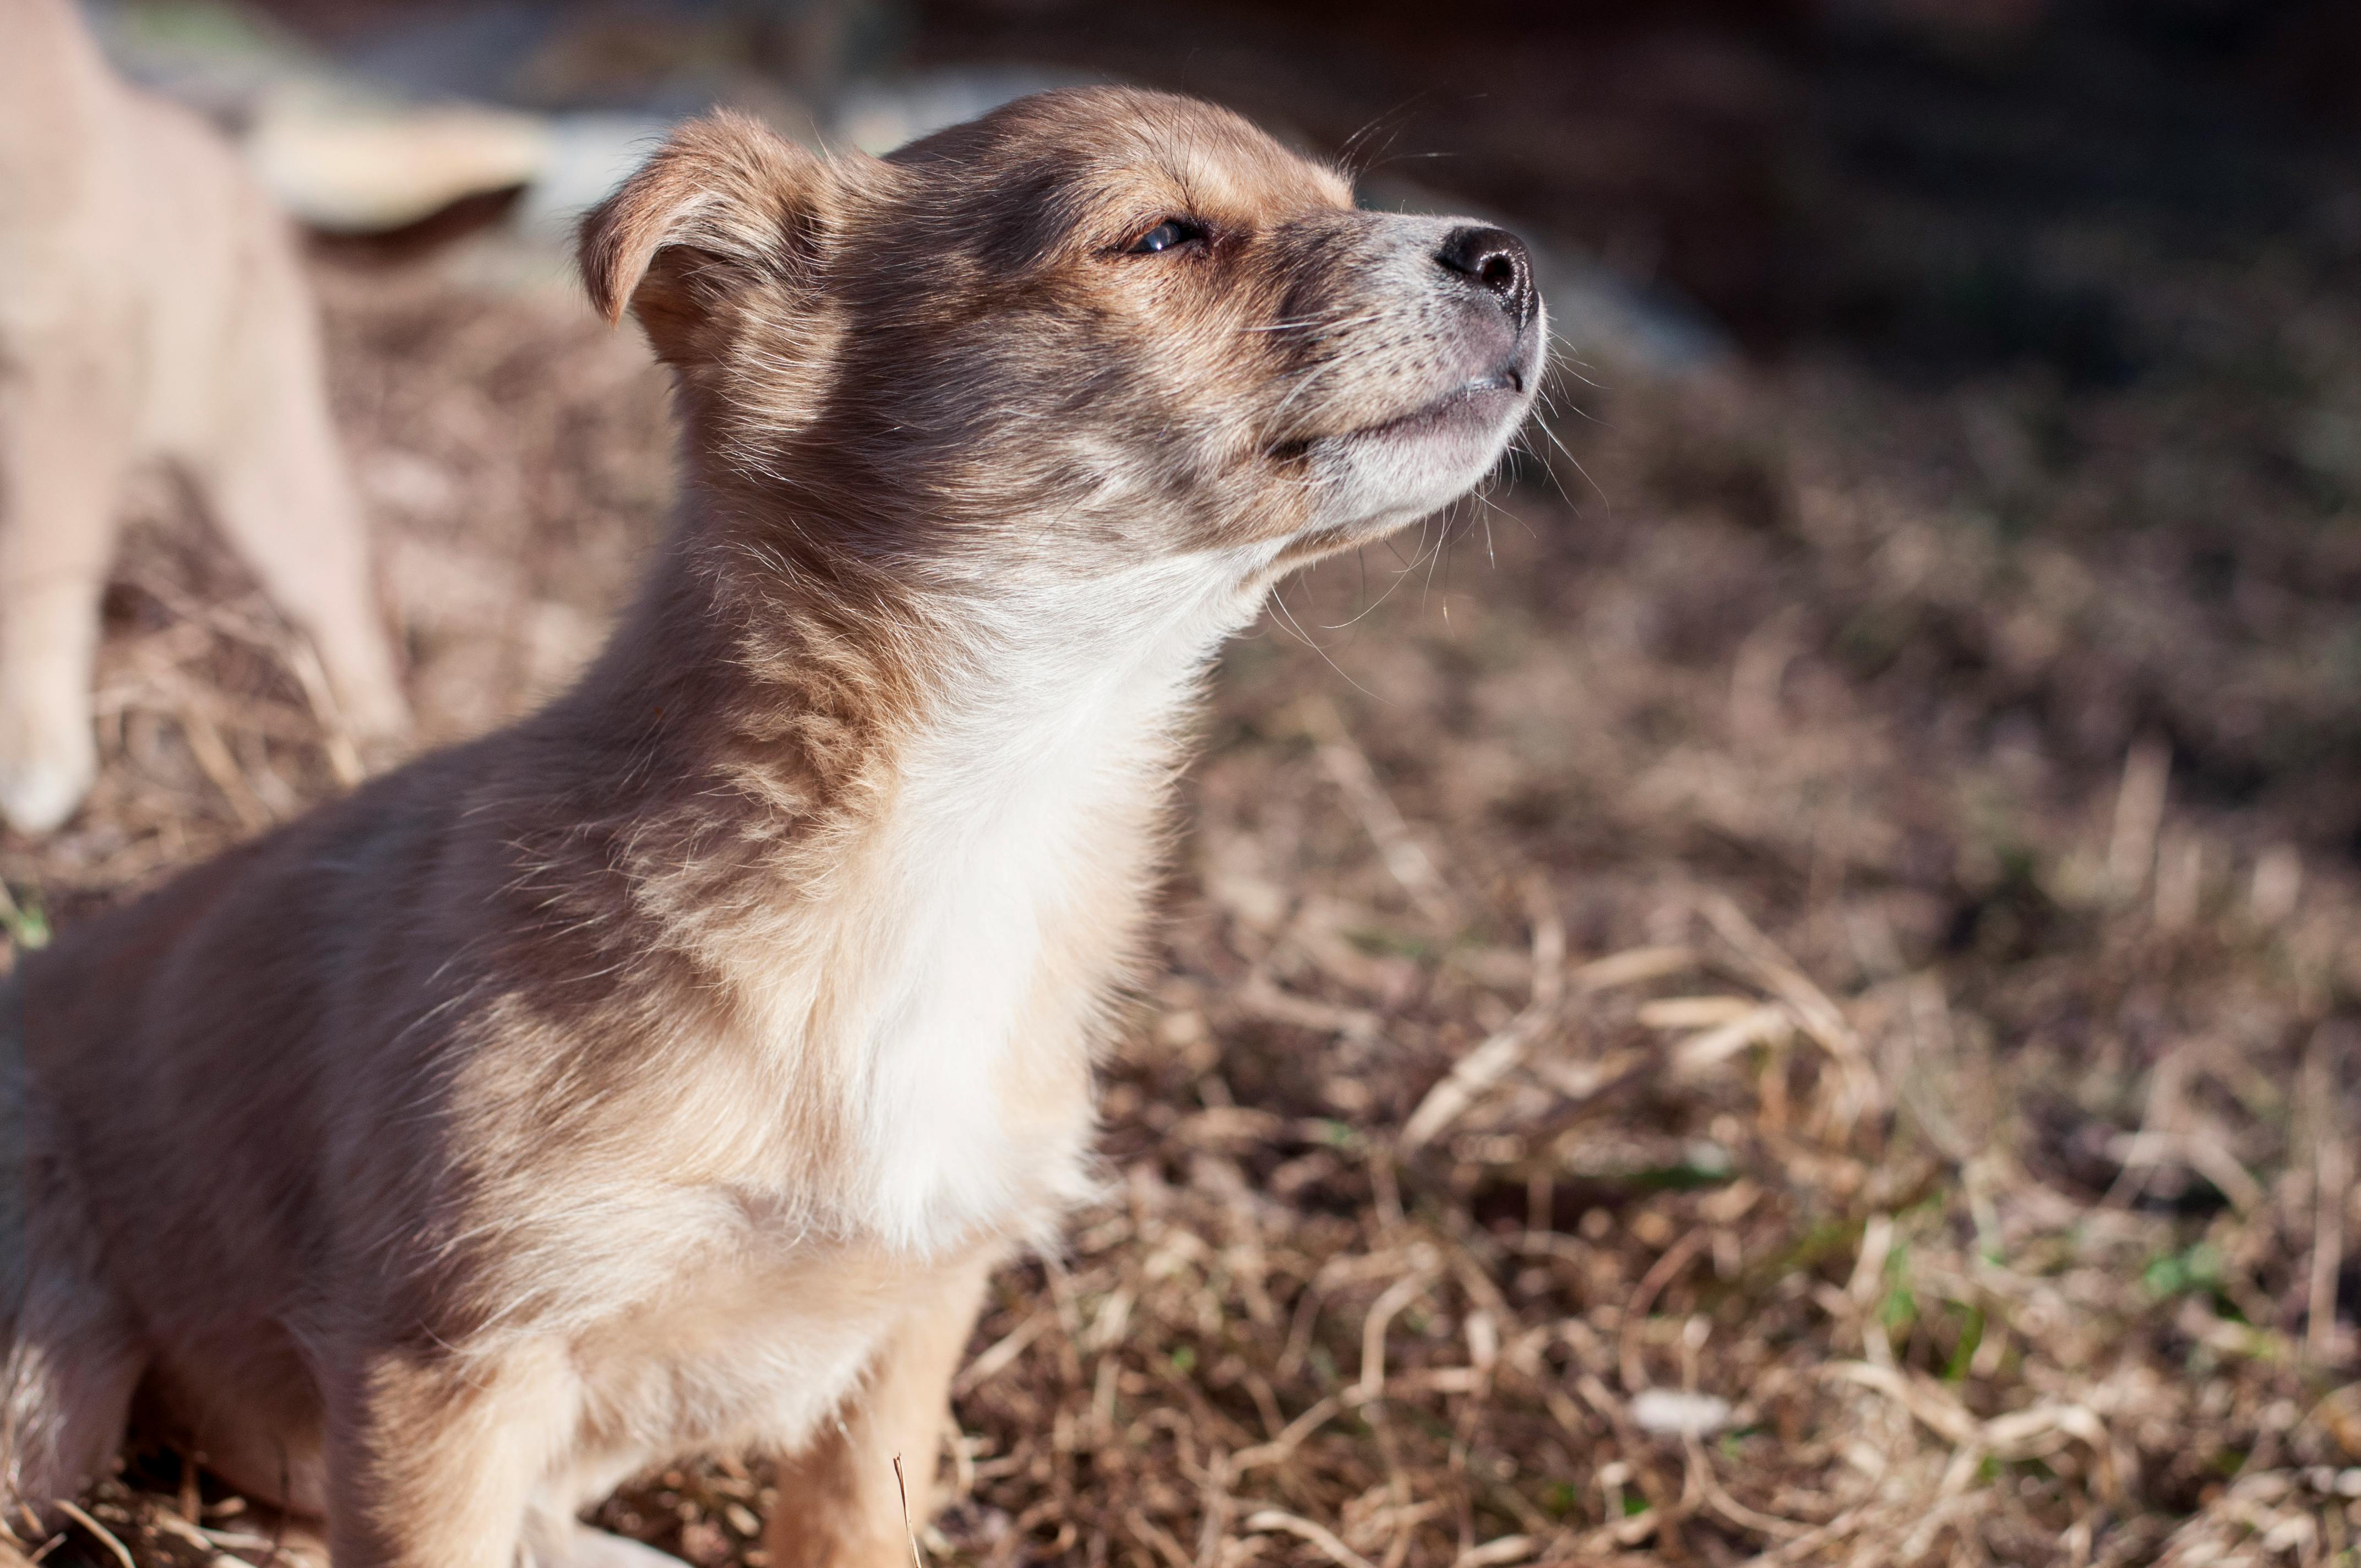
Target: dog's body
(151, 308)
(662, 1075)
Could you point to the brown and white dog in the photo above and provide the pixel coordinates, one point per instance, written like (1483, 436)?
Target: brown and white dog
(151, 307)
(662, 1075)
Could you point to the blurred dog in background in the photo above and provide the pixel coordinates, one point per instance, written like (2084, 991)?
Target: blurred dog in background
(151, 309)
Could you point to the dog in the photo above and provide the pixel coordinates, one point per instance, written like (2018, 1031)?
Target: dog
(151, 307)
(662, 1075)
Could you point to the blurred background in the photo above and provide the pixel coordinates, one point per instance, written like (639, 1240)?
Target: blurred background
(1784, 986)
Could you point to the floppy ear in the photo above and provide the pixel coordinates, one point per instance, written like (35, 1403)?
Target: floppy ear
(725, 205)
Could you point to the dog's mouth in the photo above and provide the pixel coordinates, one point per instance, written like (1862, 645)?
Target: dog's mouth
(1478, 404)
(1376, 475)
(1477, 401)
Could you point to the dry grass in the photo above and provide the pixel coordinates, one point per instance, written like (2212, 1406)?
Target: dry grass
(1676, 1044)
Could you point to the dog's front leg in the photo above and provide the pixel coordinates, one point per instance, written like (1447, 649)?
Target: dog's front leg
(433, 1457)
(276, 482)
(840, 1501)
(63, 452)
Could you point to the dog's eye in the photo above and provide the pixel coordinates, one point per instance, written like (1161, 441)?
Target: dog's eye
(1165, 235)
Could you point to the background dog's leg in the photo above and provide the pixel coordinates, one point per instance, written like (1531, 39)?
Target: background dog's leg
(432, 1461)
(838, 1502)
(62, 434)
(276, 479)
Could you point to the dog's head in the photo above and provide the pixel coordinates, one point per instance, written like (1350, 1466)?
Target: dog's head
(1091, 326)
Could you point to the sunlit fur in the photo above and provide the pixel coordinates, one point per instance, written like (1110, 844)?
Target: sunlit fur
(662, 1075)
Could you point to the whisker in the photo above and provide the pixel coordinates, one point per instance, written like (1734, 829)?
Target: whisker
(1345, 155)
(1325, 325)
(1544, 426)
(1400, 577)
(1278, 600)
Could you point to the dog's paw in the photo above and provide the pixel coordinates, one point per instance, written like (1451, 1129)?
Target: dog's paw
(46, 769)
(368, 699)
(374, 710)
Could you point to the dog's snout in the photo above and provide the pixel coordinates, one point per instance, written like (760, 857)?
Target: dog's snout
(1494, 260)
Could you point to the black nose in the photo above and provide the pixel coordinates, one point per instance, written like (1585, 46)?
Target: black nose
(1493, 259)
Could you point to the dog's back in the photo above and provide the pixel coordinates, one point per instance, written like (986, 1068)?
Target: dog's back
(246, 1047)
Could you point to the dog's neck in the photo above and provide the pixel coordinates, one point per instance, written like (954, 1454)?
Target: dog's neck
(797, 668)
(907, 824)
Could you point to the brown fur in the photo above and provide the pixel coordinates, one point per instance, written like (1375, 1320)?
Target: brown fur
(663, 1074)
(151, 308)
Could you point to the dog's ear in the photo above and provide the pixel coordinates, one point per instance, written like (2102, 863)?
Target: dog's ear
(726, 205)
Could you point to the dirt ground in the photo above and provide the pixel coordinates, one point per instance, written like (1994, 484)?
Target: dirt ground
(1783, 986)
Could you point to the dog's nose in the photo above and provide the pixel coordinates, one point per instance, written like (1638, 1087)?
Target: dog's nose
(1495, 260)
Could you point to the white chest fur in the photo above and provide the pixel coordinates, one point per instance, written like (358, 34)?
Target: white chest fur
(999, 896)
